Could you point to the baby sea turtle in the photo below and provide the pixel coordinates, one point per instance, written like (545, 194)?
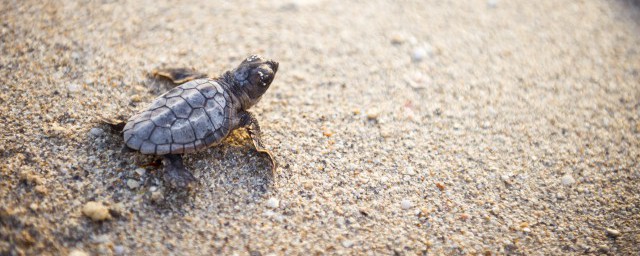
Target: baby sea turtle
(199, 113)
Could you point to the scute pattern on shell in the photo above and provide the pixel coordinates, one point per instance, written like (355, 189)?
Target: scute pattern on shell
(185, 119)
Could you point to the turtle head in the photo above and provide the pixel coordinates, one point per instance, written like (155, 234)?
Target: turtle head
(254, 76)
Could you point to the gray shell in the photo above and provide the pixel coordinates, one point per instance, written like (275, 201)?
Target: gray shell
(185, 119)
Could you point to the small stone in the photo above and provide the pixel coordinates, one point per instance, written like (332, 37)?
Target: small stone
(118, 250)
(373, 114)
(118, 209)
(77, 252)
(269, 213)
(418, 54)
(58, 74)
(101, 239)
(157, 196)
(526, 230)
(74, 87)
(308, 185)
(410, 171)
(424, 212)
(418, 80)
(140, 171)
(139, 88)
(41, 189)
(96, 211)
(406, 204)
(603, 248)
(96, 131)
(584, 247)
(133, 184)
(398, 39)
(136, 98)
(292, 6)
(613, 232)
(273, 203)
(364, 211)
(567, 180)
(347, 243)
(492, 3)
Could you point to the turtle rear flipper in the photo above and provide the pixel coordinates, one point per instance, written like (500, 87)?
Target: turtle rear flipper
(175, 175)
(178, 75)
(115, 124)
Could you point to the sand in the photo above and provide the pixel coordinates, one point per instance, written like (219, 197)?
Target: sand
(439, 127)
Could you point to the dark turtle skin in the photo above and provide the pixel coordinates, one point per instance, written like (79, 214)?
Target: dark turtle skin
(200, 113)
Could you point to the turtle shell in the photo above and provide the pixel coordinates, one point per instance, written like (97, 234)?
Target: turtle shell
(185, 119)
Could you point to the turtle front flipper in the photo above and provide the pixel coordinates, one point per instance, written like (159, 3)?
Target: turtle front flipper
(175, 175)
(253, 128)
(178, 75)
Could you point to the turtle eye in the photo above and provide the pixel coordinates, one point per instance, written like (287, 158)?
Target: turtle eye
(262, 77)
(265, 78)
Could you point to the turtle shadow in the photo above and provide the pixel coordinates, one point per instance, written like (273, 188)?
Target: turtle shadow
(233, 165)
(225, 173)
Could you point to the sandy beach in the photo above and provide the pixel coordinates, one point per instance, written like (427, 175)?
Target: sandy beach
(400, 128)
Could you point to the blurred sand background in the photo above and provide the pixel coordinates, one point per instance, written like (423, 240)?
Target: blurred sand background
(409, 127)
